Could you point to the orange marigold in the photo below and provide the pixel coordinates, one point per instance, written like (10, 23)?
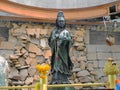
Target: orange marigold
(46, 67)
(42, 76)
(42, 68)
(39, 68)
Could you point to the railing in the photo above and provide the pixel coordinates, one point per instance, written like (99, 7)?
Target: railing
(45, 86)
(72, 85)
(17, 87)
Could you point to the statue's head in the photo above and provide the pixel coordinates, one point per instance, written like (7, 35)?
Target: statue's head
(60, 21)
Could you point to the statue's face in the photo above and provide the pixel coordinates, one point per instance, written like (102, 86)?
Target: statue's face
(61, 22)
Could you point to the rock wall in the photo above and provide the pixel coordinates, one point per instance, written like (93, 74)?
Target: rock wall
(31, 48)
(28, 46)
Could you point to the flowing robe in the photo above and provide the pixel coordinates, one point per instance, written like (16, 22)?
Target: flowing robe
(61, 65)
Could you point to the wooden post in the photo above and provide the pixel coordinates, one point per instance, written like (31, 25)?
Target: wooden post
(44, 82)
(111, 80)
(41, 83)
(44, 86)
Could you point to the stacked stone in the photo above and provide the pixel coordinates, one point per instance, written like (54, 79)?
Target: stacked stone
(31, 48)
(83, 72)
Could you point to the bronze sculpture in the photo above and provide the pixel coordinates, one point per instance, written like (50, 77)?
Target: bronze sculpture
(60, 43)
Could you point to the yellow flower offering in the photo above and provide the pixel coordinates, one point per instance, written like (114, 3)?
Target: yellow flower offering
(39, 68)
(42, 69)
(46, 67)
(110, 67)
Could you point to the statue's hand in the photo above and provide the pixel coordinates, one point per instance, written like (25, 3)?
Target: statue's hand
(57, 36)
(65, 35)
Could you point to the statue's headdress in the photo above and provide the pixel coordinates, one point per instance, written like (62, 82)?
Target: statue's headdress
(60, 14)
